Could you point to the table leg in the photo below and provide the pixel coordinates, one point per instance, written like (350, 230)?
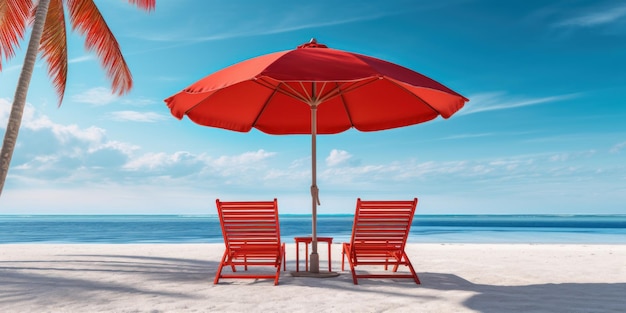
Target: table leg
(329, 262)
(306, 258)
(297, 256)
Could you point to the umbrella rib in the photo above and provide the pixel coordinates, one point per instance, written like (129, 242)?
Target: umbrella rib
(345, 106)
(337, 91)
(280, 88)
(313, 96)
(321, 91)
(308, 97)
(414, 95)
(258, 116)
(289, 91)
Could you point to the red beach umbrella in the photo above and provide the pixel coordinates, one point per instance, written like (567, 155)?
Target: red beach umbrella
(314, 90)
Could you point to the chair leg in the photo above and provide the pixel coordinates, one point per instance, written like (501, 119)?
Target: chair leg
(277, 273)
(398, 261)
(343, 255)
(284, 259)
(354, 279)
(230, 261)
(281, 259)
(408, 263)
(219, 269)
(347, 250)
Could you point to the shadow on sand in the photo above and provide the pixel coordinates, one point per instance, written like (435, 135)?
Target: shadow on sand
(565, 297)
(28, 280)
(67, 279)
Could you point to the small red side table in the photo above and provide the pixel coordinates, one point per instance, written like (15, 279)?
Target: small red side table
(307, 241)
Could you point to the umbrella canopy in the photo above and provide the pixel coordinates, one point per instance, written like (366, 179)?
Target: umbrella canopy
(314, 90)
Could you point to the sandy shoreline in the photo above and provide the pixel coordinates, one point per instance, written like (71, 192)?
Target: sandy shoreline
(178, 278)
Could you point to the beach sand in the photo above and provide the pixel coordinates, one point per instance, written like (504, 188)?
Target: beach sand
(179, 278)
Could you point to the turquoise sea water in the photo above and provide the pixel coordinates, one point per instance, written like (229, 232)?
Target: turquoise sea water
(205, 228)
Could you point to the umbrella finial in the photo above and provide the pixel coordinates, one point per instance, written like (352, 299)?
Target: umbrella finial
(312, 44)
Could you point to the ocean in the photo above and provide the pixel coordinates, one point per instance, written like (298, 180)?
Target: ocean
(121, 229)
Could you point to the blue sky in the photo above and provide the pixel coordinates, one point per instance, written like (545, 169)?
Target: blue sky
(544, 130)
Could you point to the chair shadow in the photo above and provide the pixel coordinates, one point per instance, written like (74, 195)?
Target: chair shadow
(25, 280)
(561, 297)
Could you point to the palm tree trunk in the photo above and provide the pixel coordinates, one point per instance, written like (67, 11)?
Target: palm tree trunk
(19, 100)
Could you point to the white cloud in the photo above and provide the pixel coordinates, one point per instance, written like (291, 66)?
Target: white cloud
(466, 136)
(141, 101)
(95, 96)
(247, 158)
(70, 155)
(151, 161)
(242, 170)
(618, 147)
(601, 16)
(66, 133)
(63, 133)
(92, 134)
(85, 165)
(364, 174)
(337, 157)
(50, 152)
(492, 101)
(80, 59)
(12, 68)
(286, 176)
(567, 156)
(561, 157)
(134, 116)
(286, 17)
(469, 175)
(5, 111)
(123, 147)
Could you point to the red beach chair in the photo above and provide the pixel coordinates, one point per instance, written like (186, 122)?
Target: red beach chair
(252, 236)
(379, 235)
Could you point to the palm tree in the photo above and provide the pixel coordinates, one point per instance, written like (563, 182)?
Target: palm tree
(48, 36)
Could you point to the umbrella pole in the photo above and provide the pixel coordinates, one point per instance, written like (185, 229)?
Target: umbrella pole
(315, 260)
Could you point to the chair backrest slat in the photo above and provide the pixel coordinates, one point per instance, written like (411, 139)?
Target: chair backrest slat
(249, 222)
(379, 223)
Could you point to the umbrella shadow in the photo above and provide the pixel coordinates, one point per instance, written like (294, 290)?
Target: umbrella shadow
(487, 298)
(557, 297)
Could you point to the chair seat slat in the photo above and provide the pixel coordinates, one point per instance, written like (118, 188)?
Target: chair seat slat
(251, 232)
(379, 234)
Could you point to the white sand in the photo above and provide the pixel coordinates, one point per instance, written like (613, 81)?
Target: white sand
(179, 278)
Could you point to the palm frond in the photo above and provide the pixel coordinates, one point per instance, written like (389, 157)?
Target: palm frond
(87, 20)
(14, 17)
(147, 5)
(53, 46)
